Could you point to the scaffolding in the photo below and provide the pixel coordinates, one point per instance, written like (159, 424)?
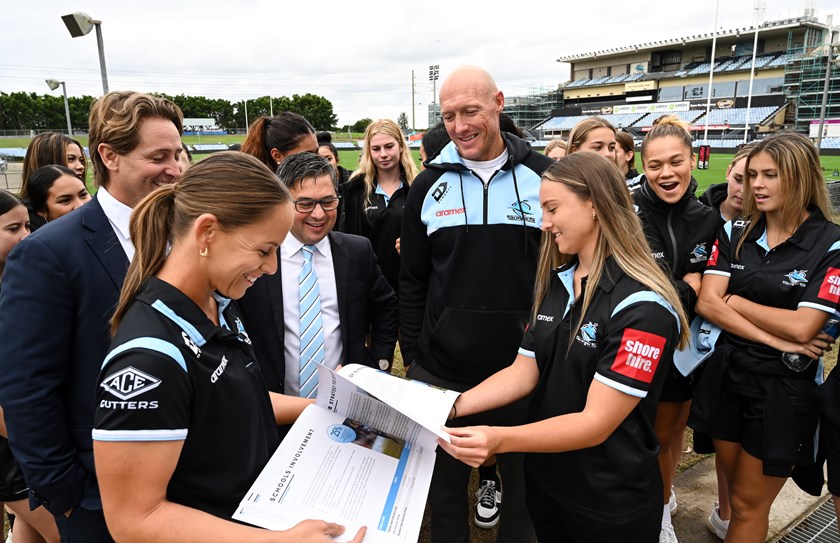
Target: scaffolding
(534, 108)
(805, 79)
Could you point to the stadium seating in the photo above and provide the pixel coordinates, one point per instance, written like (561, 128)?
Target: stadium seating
(737, 116)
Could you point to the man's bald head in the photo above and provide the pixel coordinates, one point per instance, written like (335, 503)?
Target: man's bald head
(468, 79)
(470, 104)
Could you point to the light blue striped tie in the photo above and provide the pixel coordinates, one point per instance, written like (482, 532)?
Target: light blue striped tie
(311, 327)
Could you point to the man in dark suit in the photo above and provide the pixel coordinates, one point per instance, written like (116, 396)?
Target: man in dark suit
(344, 298)
(60, 287)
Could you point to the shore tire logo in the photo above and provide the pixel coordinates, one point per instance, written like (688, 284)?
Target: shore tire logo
(129, 383)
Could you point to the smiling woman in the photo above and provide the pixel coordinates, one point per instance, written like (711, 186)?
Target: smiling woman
(180, 339)
(374, 197)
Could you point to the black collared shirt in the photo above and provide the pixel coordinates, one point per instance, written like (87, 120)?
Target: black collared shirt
(625, 341)
(803, 271)
(172, 374)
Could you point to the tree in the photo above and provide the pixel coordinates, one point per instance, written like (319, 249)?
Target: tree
(361, 125)
(402, 121)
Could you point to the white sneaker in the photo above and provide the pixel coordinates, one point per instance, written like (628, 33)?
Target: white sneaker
(717, 525)
(672, 502)
(667, 535)
(488, 507)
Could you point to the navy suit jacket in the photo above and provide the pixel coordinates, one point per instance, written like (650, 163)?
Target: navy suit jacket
(60, 287)
(366, 304)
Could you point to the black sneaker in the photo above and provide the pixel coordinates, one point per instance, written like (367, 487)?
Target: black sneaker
(489, 504)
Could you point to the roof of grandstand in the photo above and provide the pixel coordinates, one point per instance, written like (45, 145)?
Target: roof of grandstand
(694, 39)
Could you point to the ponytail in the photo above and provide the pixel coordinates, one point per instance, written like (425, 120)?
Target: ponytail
(151, 229)
(254, 143)
(669, 125)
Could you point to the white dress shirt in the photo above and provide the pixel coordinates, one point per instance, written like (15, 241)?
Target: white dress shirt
(118, 215)
(291, 261)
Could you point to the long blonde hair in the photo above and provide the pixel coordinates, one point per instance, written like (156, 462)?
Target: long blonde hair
(238, 189)
(367, 166)
(800, 179)
(620, 233)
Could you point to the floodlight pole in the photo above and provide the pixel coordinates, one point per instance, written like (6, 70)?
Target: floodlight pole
(101, 46)
(53, 84)
(711, 76)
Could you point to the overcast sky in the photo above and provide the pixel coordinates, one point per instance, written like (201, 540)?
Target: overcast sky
(359, 54)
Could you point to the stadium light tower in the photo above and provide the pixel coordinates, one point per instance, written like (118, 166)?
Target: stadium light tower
(53, 84)
(711, 76)
(80, 24)
(434, 75)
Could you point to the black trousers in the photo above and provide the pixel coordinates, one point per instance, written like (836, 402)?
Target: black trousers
(556, 523)
(448, 500)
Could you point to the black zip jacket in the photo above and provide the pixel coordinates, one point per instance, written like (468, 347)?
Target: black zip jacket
(469, 258)
(378, 222)
(680, 235)
(714, 196)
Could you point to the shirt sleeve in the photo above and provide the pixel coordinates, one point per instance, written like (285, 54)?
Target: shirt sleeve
(527, 346)
(638, 344)
(719, 261)
(144, 393)
(823, 290)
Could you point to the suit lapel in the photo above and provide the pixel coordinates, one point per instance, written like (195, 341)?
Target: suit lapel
(274, 285)
(103, 241)
(341, 267)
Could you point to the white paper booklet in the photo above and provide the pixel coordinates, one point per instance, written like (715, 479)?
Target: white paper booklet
(363, 455)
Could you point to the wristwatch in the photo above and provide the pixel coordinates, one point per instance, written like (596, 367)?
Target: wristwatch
(384, 364)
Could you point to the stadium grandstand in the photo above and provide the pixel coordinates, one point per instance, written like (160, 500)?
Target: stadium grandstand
(632, 86)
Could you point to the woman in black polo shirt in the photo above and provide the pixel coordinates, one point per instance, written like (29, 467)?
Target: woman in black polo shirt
(681, 232)
(772, 281)
(184, 421)
(374, 198)
(595, 355)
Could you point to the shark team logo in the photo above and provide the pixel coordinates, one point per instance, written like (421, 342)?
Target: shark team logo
(129, 382)
(587, 335)
(521, 212)
(699, 254)
(796, 278)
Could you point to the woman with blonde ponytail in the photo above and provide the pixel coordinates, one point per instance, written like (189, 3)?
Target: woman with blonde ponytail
(184, 419)
(606, 321)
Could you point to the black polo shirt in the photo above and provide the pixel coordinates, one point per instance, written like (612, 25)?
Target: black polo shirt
(626, 341)
(172, 374)
(803, 271)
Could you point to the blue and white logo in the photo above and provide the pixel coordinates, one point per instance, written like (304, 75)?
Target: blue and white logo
(341, 433)
(588, 333)
(521, 212)
(699, 253)
(796, 278)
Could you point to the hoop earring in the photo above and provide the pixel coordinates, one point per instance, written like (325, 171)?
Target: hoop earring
(203, 252)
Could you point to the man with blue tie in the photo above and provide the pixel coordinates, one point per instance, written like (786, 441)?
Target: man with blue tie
(327, 296)
(60, 287)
